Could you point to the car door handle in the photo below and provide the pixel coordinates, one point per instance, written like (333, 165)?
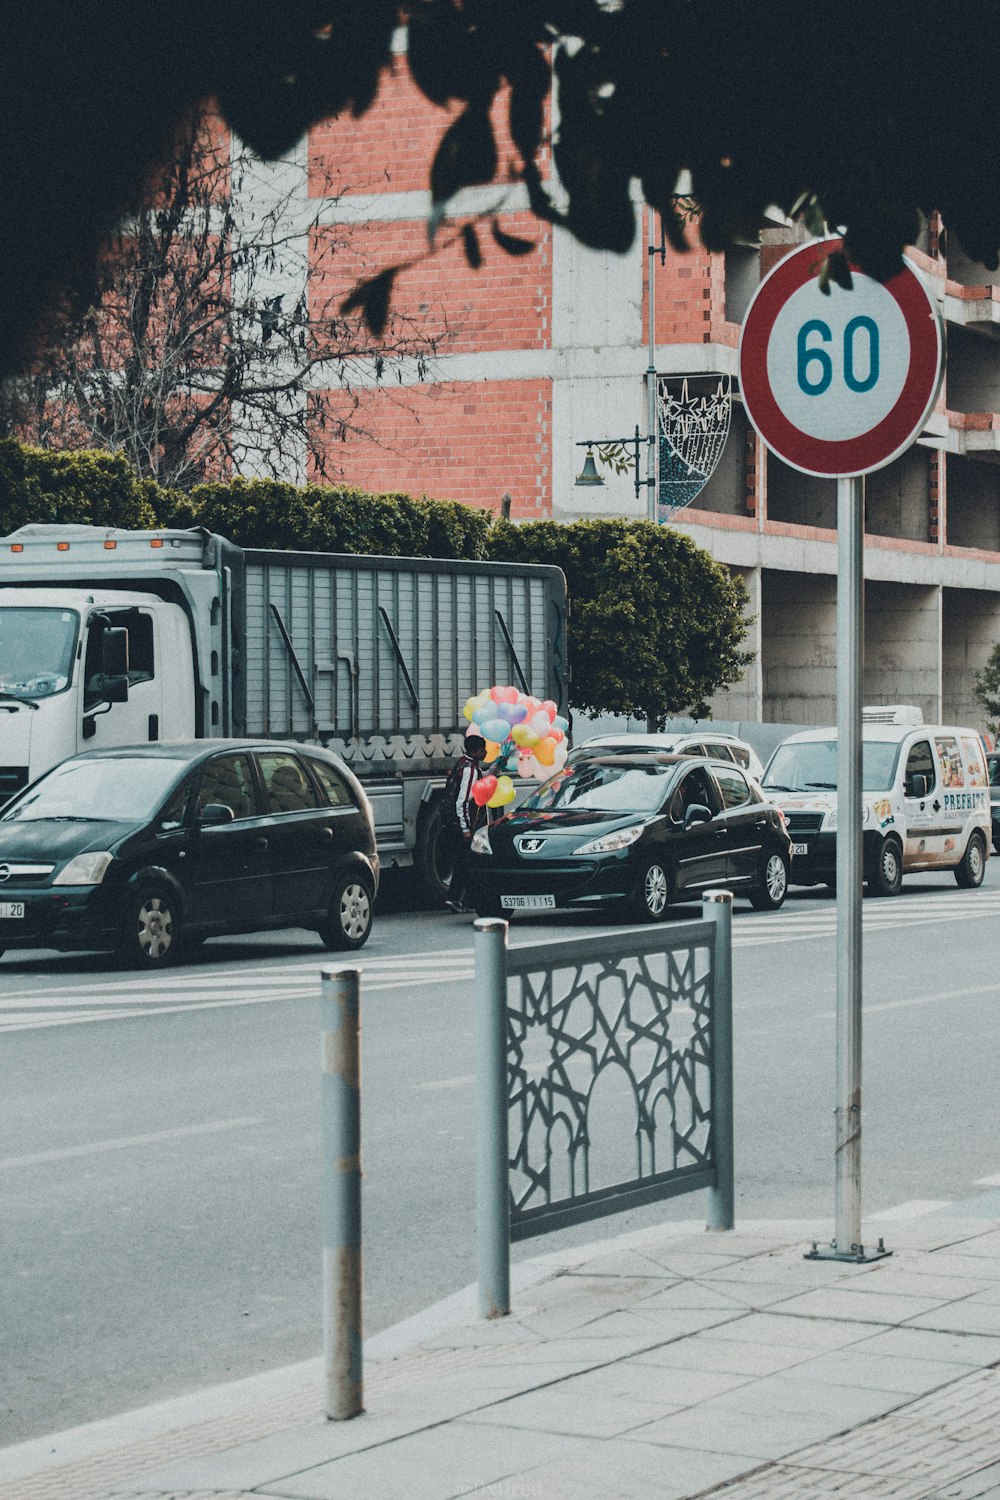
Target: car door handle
(936, 805)
(259, 845)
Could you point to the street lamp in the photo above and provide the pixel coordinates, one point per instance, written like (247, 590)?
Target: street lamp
(613, 452)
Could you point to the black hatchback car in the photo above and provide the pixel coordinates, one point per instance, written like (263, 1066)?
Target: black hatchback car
(148, 849)
(635, 833)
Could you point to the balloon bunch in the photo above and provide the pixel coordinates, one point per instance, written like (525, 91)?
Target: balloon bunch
(510, 720)
(493, 791)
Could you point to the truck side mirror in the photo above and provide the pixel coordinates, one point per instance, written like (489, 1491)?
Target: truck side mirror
(114, 651)
(918, 785)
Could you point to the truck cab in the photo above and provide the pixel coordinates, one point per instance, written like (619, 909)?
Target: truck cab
(82, 669)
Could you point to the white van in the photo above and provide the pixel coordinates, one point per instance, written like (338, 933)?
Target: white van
(925, 796)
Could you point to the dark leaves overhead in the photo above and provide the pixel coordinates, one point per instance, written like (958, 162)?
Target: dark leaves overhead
(870, 115)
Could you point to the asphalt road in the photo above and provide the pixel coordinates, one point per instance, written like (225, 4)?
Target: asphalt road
(160, 1163)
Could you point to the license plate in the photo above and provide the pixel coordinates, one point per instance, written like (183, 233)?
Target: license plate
(11, 909)
(527, 903)
(800, 849)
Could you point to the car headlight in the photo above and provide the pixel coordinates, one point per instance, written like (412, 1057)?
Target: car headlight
(481, 842)
(830, 821)
(85, 869)
(610, 842)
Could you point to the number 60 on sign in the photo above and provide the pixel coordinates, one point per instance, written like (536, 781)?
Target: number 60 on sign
(839, 383)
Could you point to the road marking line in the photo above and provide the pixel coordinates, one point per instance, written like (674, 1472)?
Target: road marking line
(914, 1209)
(988, 1181)
(123, 1143)
(972, 990)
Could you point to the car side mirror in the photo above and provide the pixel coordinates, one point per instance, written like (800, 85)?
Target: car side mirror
(918, 786)
(697, 813)
(215, 813)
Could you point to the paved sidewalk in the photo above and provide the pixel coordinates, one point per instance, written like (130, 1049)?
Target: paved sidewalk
(668, 1363)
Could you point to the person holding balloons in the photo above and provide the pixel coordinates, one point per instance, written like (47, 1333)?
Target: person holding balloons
(463, 811)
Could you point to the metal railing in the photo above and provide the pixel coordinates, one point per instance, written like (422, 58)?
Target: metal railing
(593, 1047)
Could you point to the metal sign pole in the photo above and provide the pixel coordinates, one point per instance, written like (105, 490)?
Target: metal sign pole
(850, 667)
(847, 1243)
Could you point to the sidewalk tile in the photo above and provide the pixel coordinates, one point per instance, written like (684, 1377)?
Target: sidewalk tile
(804, 1393)
(688, 1262)
(726, 1356)
(435, 1465)
(924, 1343)
(568, 1409)
(787, 1482)
(646, 1326)
(969, 1316)
(490, 1333)
(807, 1332)
(926, 1282)
(630, 1263)
(652, 1382)
(633, 1471)
(984, 1485)
(953, 1262)
(754, 1435)
(876, 1307)
(692, 1294)
(859, 1366)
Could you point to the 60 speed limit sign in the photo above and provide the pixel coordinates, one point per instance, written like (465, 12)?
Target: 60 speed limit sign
(839, 384)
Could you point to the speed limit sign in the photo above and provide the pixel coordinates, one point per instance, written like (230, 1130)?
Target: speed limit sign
(839, 383)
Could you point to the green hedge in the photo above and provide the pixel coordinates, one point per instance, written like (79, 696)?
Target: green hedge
(38, 485)
(88, 486)
(657, 626)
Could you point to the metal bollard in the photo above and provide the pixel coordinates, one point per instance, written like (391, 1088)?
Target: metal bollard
(492, 1171)
(342, 1259)
(718, 908)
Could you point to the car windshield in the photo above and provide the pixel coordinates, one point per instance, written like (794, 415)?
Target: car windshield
(603, 788)
(994, 763)
(811, 765)
(36, 650)
(112, 790)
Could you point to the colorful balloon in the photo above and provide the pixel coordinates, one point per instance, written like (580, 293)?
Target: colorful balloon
(504, 792)
(545, 750)
(483, 790)
(556, 734)
(550, 708)
(496, 729)
(492, 749)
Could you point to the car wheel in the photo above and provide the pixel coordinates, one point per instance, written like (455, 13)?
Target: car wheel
(773, 888)
(653, 895)
(886, 877)
(150, 935)
(970, 872)
(434, 855)
(349, 919)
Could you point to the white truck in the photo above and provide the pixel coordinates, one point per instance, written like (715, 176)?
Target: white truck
(112, 637)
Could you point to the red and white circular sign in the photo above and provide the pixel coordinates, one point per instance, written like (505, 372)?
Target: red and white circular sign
(839, 384)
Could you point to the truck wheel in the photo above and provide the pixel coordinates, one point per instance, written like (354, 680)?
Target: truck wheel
(150, 935)
(886, 876)
(433, 857)
(349, 919)
(970, 872)
(773, 887)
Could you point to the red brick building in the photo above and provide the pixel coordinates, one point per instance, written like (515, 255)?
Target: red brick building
(544, 350)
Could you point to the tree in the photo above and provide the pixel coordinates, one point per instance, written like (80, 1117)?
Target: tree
(206, 322)
(986, 691)
(656, 624)
(825, 112)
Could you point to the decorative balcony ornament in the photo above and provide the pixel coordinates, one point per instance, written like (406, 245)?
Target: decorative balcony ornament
(693, 432)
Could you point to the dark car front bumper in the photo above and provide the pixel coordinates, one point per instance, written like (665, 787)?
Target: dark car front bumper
(64, 917)
(580, 882)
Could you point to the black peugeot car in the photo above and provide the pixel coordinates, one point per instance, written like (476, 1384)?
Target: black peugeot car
(148, 849)
(634, 833)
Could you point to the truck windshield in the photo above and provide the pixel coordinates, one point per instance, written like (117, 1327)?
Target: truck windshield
(118, 789)
(812, 766)
(36, 650)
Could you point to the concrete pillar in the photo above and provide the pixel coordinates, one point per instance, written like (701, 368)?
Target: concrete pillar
(799, 647)
(970, 630)
(903, 646)
(745, 699)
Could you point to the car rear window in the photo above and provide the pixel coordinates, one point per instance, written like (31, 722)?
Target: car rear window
(333, 788)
